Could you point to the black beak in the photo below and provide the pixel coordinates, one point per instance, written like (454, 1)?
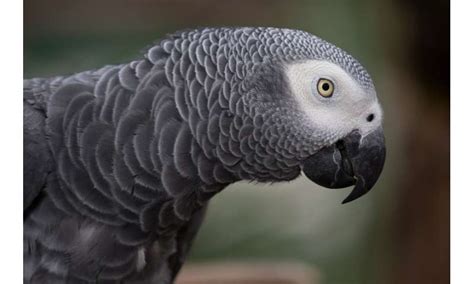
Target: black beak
(350, 161)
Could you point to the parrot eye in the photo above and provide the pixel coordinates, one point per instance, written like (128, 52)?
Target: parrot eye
(325, 87)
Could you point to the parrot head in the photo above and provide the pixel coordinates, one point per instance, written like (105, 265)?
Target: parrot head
(321, 116)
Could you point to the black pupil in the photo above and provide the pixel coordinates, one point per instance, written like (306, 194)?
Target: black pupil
(325, 86)
(370, 117)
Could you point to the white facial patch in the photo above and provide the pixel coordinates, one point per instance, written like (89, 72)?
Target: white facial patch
(350, 107)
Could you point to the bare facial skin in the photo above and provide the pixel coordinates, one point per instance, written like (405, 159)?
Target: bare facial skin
(350, 107)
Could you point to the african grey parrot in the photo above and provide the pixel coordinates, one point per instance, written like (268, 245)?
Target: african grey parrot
(120, 162)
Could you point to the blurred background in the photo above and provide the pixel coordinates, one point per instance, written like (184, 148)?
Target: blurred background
(399, 233)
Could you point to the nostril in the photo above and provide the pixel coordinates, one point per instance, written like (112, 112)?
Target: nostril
(370, 117)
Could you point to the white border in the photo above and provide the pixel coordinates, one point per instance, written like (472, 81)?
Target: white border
(462, 141)
(11, 236)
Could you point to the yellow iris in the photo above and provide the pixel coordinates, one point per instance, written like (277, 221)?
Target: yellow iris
(325, 87)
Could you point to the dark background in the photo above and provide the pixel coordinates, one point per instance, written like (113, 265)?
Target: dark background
(399, 233)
